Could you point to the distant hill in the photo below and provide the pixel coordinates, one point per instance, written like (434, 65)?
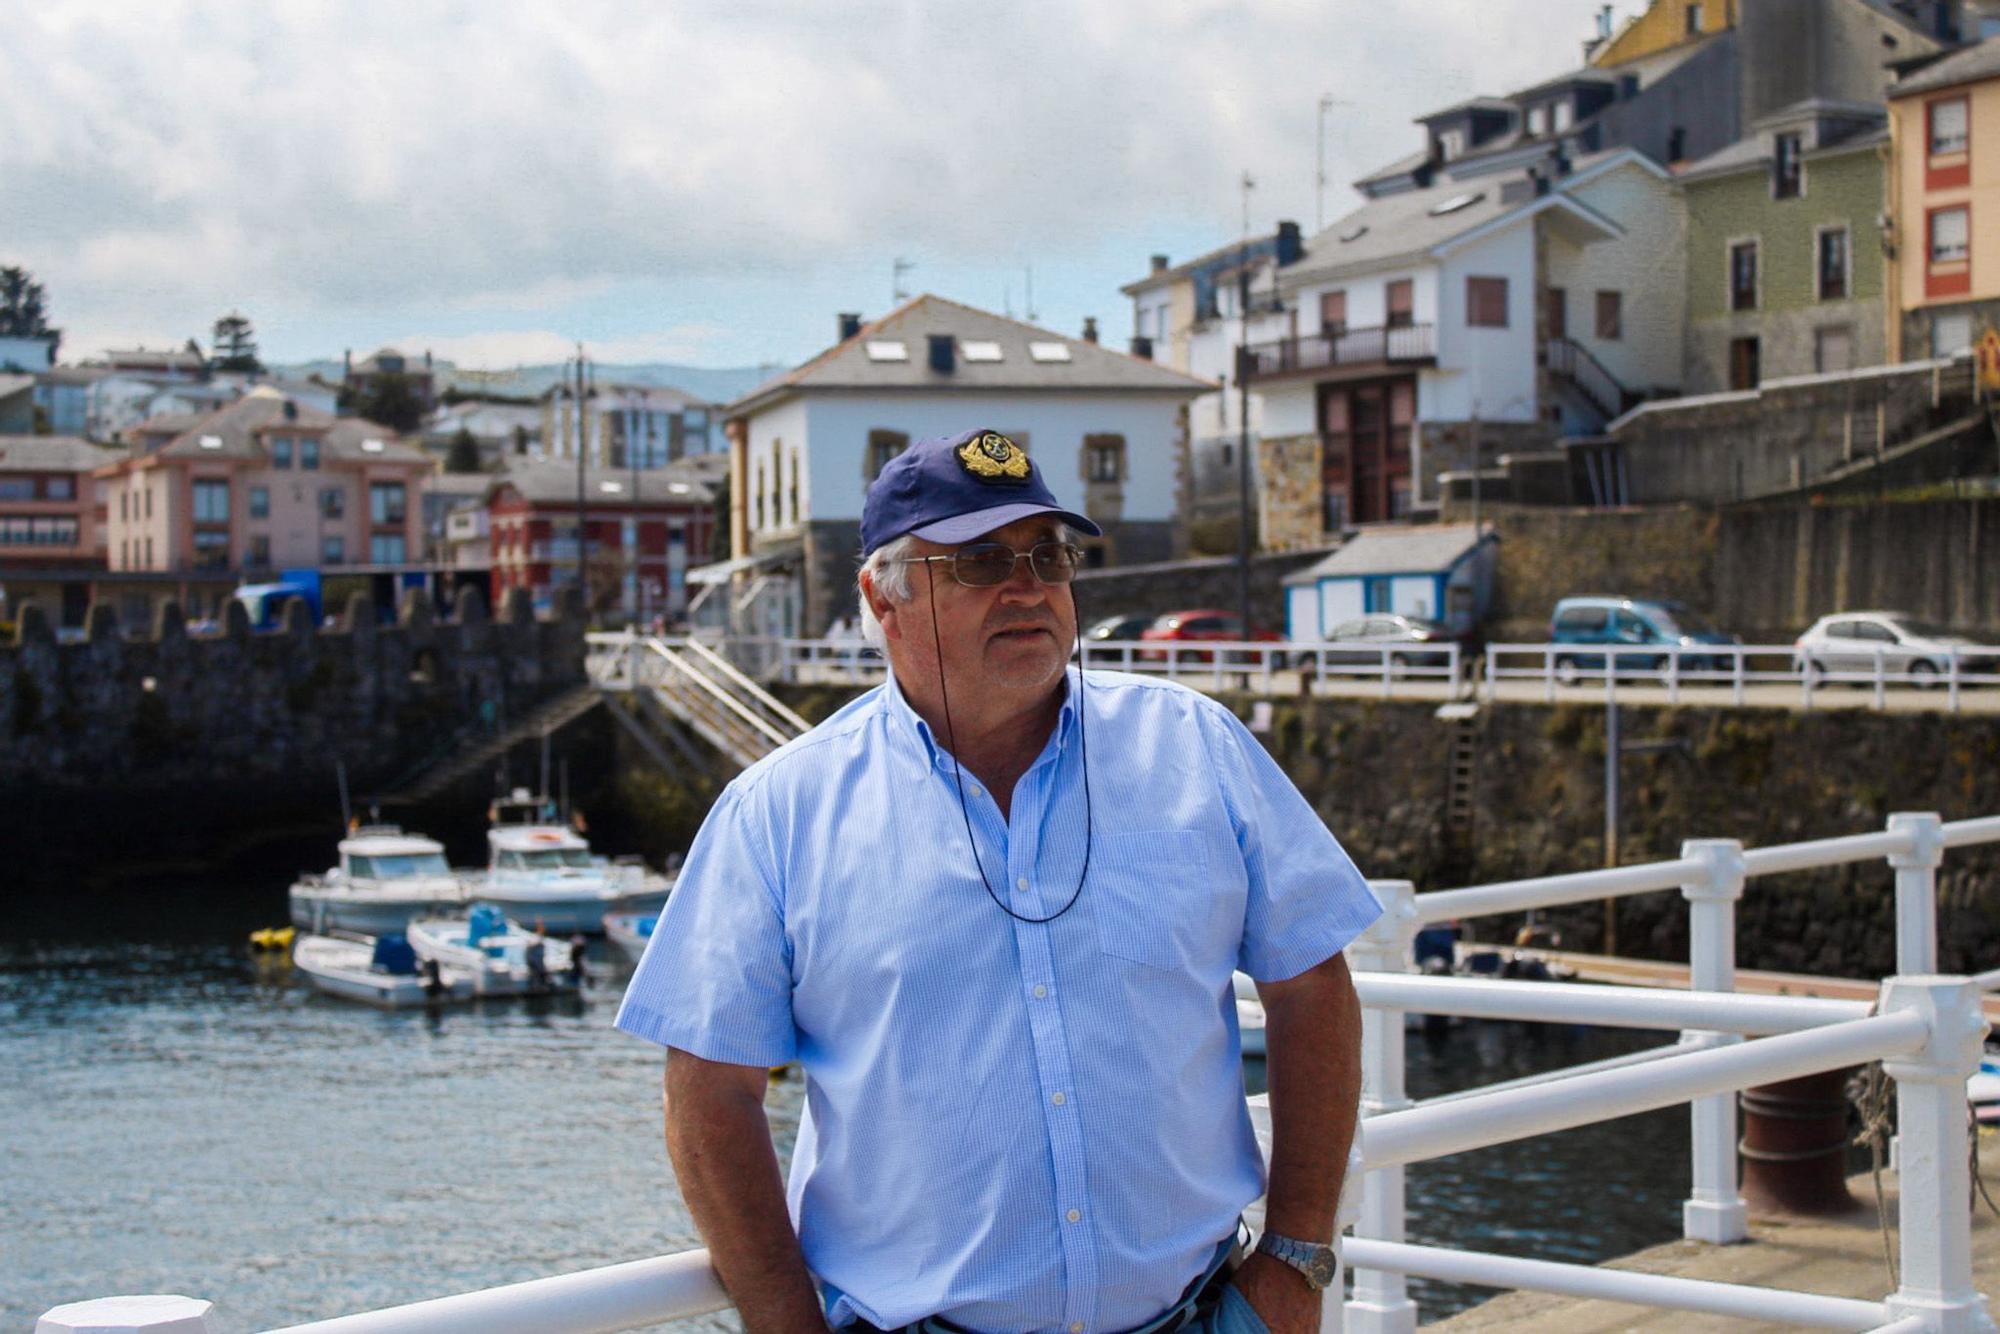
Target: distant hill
(717, 385)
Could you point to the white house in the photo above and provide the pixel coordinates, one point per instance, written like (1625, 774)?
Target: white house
(1107, 431)
(1437, 572)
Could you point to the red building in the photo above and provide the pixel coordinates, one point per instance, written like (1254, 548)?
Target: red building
(644, 529)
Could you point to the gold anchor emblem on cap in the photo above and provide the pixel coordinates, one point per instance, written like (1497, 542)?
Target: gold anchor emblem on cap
(992, 457)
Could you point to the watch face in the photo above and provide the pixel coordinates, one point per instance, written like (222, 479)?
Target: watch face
(1323, 1268)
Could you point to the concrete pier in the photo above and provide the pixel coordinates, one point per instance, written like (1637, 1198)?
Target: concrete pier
(1839, 1257)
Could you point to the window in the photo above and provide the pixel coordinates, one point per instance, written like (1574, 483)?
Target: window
(260, 549)
(1949, 127)
(211, 501)
(1951, 332)
(1104, 458)
(386, 549)
(1950, 234)
(1743, 363)
(883, 446)
(149, 505)
(1694, 20)
(886, 350)
(1677, 143)
(1555, 310)
(260, 502)
(1833, 348)
(1048, 352)
(211, 551)
(1565, 115)
(1787, 168)
(1610, 316)
(1333, 313)
(309, 455)
(1450, 144)
(1833, 264)
(332, 550)
(1538, 121)
(61, 488)
(1743, 275)
(385, 502)
(1486, 303)
(1402, 303)
(973, 349)
(332, 503)
(281, 451)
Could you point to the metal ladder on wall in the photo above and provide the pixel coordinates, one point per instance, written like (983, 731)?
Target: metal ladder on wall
(705, 692)
(1461, 792)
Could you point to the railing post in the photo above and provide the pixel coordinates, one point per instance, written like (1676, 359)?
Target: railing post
(1916, 890)
(1381, 1302)
(154, 1313)
(1714, 1210)
(1935, 1175)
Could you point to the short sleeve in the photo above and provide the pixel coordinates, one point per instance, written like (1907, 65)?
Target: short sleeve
(1306, 899)
(716, 979)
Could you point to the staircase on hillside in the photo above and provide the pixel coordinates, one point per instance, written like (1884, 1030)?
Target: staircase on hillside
(1572, 362)
(697, 688)
(474, 752)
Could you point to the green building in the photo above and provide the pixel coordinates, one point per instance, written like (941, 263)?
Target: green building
(1784, 263)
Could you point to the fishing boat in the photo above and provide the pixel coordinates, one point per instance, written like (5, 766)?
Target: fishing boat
(504, 959)
(542, 873)
(630, 931)
(1982, 1090)
(384, 878)
(383, 971)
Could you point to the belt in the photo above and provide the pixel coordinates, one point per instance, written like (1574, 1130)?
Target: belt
(1199, 1298)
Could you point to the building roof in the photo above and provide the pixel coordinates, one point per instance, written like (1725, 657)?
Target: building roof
(1066, 363)
(53, 453)
(1398, 225)
(1400, 167)
(1468, 105)
(11, 385)
(234, 428)
(1160, 277)
(74, 374)
(1756, 152)
(1428, 550)
(1968, 64)
(143, 359)
(553, 481)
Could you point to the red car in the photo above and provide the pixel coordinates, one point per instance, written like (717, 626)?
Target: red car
(1208, 623)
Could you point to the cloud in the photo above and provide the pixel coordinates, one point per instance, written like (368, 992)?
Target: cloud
(342, 159)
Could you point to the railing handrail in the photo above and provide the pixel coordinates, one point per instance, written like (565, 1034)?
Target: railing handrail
(701, 681)
(747, 685)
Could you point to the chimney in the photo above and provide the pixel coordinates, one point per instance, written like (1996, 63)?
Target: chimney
(1090, 328)
(1159, 264)
(1142, 347)
(944, 353)
(347, 364)
(1290, 247)
(427, 358)
(850, 324)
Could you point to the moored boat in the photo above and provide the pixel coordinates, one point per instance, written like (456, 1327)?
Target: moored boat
(384, 971)
(384, 878)
(630, 931)
(543, 874)
(504, 959)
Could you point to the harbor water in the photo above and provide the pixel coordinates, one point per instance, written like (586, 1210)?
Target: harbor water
(181, 1116)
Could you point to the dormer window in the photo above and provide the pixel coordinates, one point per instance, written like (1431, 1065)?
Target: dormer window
(1538, 121)
(1787, 169)
(1565, 116)
(1451, 144)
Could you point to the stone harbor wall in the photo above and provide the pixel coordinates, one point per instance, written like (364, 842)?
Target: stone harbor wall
(1153, 590)
(262, 717)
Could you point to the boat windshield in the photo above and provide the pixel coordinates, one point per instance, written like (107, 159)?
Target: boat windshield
(396, 866)
(544, 859)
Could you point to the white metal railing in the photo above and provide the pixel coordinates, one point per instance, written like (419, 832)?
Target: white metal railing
(1926, 1029)
(1937, 677)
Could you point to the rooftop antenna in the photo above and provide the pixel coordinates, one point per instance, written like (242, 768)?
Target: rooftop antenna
(1327, 102)
(897, 268)
(1028, 298)
(1007, 299)
(1248, 185)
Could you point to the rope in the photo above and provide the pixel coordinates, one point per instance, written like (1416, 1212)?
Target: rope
(1869, 1092)
(1978, 1181)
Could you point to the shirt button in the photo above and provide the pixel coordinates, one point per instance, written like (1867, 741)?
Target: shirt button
(1058, 1100)
(1022, 884)
(1074, 1215)
(1076, 1327)
(1041, 993)
(976, 792)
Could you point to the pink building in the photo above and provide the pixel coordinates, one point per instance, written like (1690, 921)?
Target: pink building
(263, 484)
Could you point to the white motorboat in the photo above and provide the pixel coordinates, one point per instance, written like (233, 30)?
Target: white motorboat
(630, 931)
(543, 874)
(504, 960)
(385, 877)
(1982, 1090)
(384, 971)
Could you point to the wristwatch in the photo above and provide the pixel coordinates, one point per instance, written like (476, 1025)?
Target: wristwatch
(1320, 1264)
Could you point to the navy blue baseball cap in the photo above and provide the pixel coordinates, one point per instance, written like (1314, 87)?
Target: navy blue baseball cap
(953, 488)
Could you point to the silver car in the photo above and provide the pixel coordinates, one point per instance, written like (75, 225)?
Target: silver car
(1852, 641)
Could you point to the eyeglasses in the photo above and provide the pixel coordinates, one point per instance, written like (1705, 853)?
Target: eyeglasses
(990, 564)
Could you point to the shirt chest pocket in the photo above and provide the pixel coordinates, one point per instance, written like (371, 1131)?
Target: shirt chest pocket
(1157, 902)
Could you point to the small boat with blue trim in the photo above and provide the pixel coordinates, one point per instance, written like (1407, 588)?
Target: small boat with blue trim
(542, 873)
(383, 971)
(384, 878)
(503, 958)
(630, 932)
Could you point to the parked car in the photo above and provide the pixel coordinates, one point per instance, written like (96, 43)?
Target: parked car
(1201, 623)
(1852, 641)
(1386, 630)
(1633, 622)
(1112, 629)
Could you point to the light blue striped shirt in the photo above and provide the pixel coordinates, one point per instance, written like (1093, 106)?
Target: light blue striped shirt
(1016, 1126)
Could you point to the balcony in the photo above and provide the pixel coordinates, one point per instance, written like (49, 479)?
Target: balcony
(1383, 345)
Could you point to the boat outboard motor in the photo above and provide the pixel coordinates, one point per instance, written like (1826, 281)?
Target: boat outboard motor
(538, 965)
(433, 979)
(484, 920)
(576, 969)
(394, 956)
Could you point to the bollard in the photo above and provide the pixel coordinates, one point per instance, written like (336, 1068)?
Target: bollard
(1714, 1211)
(1795, 1146)
(1381, 1303)
(155, 1313)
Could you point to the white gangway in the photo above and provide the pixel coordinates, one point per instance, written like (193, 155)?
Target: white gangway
(1926, 1029)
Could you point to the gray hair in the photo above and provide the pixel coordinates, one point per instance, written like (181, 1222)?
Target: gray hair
(887, 571)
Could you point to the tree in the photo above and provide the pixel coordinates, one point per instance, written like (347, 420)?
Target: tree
(23, 309)
(387, 398)
(464, 454)
(234, 345)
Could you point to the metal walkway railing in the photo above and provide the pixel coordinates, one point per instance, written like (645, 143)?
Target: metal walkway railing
(698, 687)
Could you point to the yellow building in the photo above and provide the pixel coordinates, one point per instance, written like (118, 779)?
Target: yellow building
(1944, 202)
(1664, 25)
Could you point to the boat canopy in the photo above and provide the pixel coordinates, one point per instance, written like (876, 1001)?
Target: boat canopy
(394, 956)
(485, 920)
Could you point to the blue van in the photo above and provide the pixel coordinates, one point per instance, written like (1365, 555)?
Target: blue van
(1632, 622)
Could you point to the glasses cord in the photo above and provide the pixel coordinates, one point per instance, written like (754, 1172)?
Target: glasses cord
(958, 769)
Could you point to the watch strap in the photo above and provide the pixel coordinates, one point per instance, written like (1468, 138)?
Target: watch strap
(1319, 1264)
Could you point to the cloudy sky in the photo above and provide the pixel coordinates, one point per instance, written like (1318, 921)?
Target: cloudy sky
(699, 182)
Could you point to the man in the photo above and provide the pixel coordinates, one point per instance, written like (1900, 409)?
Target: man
(992, 909)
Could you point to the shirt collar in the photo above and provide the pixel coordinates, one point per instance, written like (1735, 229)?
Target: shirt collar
(906, 721)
